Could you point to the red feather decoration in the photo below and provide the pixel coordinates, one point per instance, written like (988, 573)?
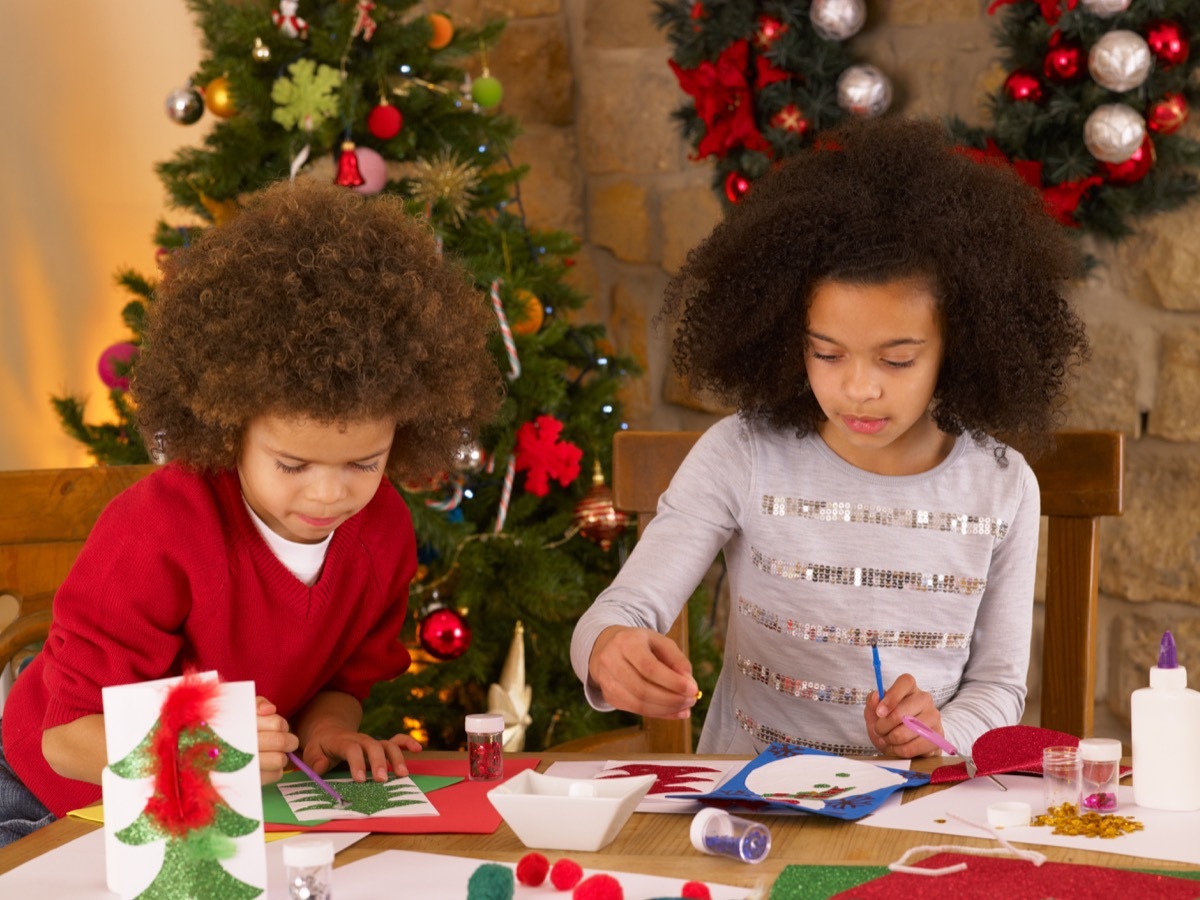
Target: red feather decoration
(184, 797)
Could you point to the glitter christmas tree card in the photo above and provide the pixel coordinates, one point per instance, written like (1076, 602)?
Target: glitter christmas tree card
(307, 804)
(786, 778)
(182, 799)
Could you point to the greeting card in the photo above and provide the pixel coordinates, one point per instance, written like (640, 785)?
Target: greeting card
(183, 805)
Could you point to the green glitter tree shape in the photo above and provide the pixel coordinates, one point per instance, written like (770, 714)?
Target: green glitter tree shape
(367, 797)
(191, 864)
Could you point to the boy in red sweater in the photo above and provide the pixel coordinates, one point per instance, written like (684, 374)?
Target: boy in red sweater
(292, 358)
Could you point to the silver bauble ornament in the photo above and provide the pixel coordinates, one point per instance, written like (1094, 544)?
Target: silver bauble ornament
(1120, 60)
(864, 91)
(1105, 9)
(185, 105)
(469, 458)
(837, 20)
(1113, 132)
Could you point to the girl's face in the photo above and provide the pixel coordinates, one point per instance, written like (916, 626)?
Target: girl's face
(305, 478)
(872, 353)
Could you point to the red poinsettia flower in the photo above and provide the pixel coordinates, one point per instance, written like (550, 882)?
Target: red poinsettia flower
(1052, 10)
(724, 101)
(1061, 199)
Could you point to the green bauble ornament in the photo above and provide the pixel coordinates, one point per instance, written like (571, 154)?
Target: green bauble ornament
(487, 91)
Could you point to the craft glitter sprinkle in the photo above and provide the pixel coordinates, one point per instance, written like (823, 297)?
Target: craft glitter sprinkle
(1065, 819)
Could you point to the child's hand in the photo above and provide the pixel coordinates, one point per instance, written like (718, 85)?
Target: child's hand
(275, 739)
(326, 747)
(884, 726)
(644, 672)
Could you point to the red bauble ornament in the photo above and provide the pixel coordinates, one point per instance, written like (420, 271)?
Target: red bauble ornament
(1167, 115)
(595, 515)
(790, 118)
(385, 121)
(768, 32)
(347, 167)
(1023, 86)
(114, 363)
(444, 633)
(1134, 168)
(1168, 42)
(1064, 63)
(736, 185)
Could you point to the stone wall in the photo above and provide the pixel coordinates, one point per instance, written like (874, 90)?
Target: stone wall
(590, 85)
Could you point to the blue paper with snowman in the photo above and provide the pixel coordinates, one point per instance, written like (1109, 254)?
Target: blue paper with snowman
(786, 778)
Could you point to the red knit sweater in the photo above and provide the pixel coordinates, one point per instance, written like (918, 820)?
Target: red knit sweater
(175, 575)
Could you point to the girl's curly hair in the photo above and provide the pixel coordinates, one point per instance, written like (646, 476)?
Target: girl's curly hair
(877, 201)
(316, 303)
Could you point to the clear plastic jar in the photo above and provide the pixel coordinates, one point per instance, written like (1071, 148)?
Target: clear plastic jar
(1101, 773)
(308, 864)
(485, 747)
(1061, 773)
(718, 833)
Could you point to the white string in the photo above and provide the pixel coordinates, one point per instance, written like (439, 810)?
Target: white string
(1005, 849)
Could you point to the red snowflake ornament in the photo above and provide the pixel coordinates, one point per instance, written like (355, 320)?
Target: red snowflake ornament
(540, 453)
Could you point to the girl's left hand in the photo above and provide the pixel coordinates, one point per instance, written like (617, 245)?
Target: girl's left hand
(884, 718)
(361, 752)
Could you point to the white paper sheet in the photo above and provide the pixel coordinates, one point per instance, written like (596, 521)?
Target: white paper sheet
(1167, 835)
(76, 869)
(405, 873)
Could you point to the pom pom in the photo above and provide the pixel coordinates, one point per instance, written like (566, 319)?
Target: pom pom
(490, 881)
(532, 869)
(565, 874)
(695, 890)
(599, 887)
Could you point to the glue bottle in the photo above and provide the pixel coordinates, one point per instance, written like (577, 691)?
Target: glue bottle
(1166, 736)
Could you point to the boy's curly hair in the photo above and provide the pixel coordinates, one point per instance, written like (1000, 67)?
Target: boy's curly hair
(877, 201)
(316, 303)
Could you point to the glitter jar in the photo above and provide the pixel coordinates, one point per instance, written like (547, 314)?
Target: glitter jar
(718, 833)
(485, 747)
(1101, 773)
(309, 867)
(1061, 771)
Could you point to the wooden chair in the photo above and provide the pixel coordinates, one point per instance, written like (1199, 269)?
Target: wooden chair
(45, 515)
(1081, 480)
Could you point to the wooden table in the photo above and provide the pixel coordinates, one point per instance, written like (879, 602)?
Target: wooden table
(658, 844)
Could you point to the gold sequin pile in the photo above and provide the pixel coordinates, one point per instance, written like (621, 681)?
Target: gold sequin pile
(854, 637)
(1066, 820)
(871, 514)
(866, 576)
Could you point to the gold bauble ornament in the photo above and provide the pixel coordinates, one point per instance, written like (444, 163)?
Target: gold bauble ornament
(218, 97)
(260, 52)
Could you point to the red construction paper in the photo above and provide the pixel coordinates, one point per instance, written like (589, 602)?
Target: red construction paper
(463, 808)
(1018, 879)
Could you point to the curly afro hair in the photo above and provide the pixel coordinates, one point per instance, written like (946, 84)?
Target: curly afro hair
(874, 202)
(316, 303)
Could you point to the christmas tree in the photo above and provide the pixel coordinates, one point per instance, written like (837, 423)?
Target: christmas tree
(1091, 108)
(377, 97)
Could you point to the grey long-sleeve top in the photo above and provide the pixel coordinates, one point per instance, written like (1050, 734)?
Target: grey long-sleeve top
(823, 557)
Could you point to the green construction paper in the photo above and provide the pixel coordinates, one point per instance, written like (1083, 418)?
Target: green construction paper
(276, 809)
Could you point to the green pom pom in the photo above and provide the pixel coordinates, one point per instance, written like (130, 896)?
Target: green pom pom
(490, 881)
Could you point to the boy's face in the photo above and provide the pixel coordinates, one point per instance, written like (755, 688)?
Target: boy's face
(306, 478)
(872, 353)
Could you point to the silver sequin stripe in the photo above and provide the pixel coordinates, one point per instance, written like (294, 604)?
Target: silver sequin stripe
(767, 735)
(870, 514)
(855, 637)
(864, 576)
(823, 693)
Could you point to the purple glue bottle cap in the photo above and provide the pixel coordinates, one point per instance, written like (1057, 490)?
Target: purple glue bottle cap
(1168, 673)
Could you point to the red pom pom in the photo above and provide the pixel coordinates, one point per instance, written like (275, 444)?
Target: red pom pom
(532, 869)
(599, 887)
(565, 874)
(695, 890)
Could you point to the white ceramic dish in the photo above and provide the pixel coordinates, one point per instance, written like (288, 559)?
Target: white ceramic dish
(549, 813)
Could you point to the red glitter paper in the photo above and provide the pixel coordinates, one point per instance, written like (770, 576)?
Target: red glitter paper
(1013, 748)
(565, 874)
(1018, 879)
(695, 890)
(532, 869)
(599, 887)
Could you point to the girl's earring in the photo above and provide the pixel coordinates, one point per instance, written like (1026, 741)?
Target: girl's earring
(158, 452)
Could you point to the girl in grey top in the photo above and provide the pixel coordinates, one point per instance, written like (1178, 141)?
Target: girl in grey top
(875, 309)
